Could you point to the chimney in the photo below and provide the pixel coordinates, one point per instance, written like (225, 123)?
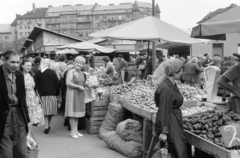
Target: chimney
(34, 9)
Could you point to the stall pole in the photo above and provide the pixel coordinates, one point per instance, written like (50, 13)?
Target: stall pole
(153, 43)
(146, 67)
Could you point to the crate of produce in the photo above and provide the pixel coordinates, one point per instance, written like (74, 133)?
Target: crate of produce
(97, 108)
(93, 124)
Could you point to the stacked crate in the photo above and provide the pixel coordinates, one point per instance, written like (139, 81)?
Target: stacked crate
(96, 112)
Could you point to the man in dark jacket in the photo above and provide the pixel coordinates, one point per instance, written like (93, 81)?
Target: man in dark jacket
(14, 116)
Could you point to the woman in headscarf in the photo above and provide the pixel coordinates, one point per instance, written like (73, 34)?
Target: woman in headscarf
(168, 99)
(75, 96)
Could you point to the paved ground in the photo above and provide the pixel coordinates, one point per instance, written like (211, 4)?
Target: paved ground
(58, 144)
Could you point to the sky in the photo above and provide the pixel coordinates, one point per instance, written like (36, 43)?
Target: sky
(181, 13)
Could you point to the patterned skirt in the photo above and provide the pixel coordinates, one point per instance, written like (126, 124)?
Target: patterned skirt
(49, 105)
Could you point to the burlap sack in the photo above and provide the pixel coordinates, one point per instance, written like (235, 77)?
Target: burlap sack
(114, 116)
(128, 148)
(130, 130)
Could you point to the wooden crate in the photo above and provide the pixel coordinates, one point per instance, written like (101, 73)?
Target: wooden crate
(93, 124)
(97, 108)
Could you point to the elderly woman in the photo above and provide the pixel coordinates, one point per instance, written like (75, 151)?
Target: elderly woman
(168, 99)
(192, 72)
(47, 85)
(75, 97)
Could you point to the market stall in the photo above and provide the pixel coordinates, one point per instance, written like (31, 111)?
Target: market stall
(137, 97)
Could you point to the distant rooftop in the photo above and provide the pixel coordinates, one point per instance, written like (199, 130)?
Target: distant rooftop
(38, 13)
(114, 7)
(70, 8)
(14, 23)
(5, 28)
(144, 4)
(133, 6)
(216, 12)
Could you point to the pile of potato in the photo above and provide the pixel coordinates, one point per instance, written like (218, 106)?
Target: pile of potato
(207, 125)
(190, 93)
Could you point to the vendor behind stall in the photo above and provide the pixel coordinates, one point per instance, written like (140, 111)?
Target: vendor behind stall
(168, 99)
(109, 67)
(121, 67)
(230, 81)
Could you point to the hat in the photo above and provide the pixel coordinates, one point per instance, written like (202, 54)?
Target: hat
(206, 54)
(236, 55)
(52, 55)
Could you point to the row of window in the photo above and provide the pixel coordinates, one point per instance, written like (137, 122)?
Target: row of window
(28, 21)
(73, 18)
(24, 34)
(24, 27)
(4, 37)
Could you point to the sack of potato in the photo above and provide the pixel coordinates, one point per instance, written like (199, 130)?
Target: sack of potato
(128, 148)
(130, 130)
(114, 116)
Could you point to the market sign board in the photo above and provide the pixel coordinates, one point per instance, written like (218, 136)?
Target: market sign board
(231, 135)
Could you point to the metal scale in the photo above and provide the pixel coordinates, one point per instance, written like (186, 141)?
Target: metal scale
(211, 75)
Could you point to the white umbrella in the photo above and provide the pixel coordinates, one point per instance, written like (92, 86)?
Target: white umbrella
(67, 51)
(87, 46)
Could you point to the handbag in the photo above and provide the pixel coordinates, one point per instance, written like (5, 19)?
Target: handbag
(89, 95)
(42, 121)
(161, 152)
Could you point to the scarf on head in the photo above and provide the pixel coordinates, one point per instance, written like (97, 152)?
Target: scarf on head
(166, 69)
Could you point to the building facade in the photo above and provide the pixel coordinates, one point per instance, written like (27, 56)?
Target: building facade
(24, 24)
(81, 20)
(5, 32)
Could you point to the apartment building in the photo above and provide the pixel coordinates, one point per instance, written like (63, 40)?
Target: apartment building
(71, 20)
(24, 24)
(5, 32)
(79, 20)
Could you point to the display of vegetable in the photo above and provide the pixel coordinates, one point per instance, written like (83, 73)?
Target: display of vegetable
(101, 93)
(195, 110)
(190, 93)
(207, 125)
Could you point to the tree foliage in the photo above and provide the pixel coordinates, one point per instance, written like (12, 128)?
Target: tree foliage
(16, 44)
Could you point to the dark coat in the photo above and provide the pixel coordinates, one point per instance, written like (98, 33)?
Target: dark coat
(4, 100)
(169, 119)
(192, 73)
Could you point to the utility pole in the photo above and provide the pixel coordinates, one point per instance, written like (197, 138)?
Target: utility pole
(153, 43)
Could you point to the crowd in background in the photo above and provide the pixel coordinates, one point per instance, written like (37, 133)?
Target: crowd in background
(193, 65)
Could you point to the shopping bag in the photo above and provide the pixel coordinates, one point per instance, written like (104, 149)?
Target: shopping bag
(32, 146)
(161, 151)
(157, 151)
(89, 95)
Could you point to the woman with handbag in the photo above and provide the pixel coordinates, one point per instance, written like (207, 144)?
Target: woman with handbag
(75, 96)
(168, 99)
(32, 99)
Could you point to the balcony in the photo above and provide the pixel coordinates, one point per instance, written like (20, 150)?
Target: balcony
(53, 22)
(84, 21)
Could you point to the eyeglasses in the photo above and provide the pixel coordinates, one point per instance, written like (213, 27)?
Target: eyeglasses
(79, 63)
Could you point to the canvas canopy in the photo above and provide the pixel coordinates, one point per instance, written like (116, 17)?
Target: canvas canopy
(217, 27)
(87, 46)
